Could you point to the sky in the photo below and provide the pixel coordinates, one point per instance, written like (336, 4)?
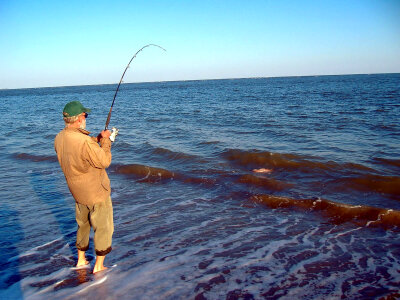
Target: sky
(64, 43)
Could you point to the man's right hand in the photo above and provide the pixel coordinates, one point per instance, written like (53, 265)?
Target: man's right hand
(105, 134)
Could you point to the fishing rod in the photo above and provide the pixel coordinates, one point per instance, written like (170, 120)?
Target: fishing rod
(116, 92)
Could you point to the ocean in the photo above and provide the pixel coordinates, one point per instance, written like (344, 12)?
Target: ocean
(262, 188)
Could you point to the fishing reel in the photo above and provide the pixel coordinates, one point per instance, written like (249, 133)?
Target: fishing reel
(114, 133)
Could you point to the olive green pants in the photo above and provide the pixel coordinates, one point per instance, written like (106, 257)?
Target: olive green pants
(100, 217)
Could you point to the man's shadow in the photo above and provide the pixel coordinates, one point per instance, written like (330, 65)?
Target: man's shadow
(46, 187)
(11, 234)
(61, 208)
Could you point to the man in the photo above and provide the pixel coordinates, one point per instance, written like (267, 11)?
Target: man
(84, 162)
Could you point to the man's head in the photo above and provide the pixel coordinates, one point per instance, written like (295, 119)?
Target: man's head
(75, 114)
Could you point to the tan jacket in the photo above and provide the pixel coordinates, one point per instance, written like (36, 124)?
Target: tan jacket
(84, 162)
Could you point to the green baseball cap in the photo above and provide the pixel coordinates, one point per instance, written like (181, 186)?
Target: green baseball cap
(74, 108)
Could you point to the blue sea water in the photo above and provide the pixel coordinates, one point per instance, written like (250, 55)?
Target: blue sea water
(192, 217)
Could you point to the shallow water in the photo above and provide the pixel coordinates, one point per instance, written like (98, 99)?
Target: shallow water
(192, 219)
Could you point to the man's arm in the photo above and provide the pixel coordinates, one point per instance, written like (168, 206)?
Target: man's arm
(99, 156)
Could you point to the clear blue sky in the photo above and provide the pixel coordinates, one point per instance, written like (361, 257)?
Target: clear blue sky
(58, 43)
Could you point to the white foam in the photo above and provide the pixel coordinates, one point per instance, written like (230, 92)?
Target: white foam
(81, 267)
(34, 250)
(347, 232)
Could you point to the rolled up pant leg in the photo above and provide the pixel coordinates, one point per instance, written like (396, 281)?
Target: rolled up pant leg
(101, 219)
(82, 219)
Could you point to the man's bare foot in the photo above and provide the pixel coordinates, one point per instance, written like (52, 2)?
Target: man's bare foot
(99, 269)
(99, 266)
(262, 170)
(82, 263)
(81, 259)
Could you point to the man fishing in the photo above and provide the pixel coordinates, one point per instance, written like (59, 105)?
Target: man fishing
(83, 162)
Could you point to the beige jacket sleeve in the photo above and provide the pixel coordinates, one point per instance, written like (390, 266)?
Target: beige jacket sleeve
(98, 156)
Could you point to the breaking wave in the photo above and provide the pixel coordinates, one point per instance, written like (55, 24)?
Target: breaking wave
(286, 161)
(336, 212)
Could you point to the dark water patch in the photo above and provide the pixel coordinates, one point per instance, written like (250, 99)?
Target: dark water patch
(336, 213)
(269, 183)
(35, 158)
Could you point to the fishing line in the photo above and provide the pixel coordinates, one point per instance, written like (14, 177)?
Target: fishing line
(116, 92)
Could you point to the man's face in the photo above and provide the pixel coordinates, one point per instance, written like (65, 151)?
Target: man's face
(82, 119)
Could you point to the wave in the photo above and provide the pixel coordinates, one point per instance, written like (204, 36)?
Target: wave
(374, 183)
(209, 142)
(172, 155)
(153, 120)
(35, 158)
(152, 174)
(336, 212)
(145, 173)
(286, 161)
(389, 162)
(123, 146)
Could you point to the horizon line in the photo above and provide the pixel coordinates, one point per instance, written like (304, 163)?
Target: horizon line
(205, 79)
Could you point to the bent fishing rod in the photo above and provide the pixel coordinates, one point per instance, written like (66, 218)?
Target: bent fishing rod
(116, 92)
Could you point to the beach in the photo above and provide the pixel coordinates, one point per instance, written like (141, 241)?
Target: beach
(193, 218)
